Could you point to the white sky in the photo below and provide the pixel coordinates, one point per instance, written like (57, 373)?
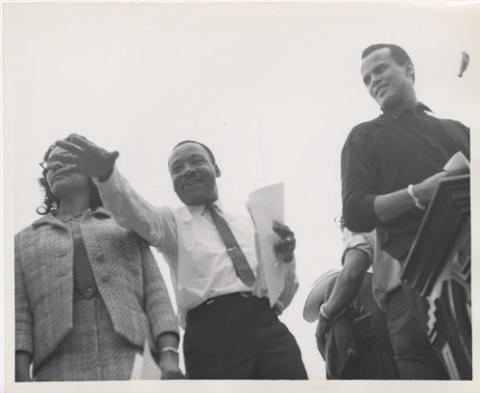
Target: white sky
(272, 89)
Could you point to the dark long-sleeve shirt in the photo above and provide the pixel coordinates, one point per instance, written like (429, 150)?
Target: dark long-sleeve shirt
(387, 154)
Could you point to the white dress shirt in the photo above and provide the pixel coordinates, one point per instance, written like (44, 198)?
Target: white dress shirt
(190, 243)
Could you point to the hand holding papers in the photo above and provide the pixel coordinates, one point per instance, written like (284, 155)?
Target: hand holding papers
(266, 206)
(458, 162)
(425, 190)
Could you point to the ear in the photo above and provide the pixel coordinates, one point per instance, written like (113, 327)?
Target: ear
(410, 70)
(217, 171)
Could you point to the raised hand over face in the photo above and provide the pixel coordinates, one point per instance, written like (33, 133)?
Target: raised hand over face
(85, 157)
(62, 184)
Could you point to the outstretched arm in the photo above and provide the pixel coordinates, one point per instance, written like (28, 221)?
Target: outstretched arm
(130, 209)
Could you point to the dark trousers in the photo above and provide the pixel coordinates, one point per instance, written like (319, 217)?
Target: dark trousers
(414, 355)
(375, 358)
(238, 336)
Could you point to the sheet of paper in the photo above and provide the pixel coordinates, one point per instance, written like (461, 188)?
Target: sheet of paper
(266, 205)
(145, 366)
(457, 161)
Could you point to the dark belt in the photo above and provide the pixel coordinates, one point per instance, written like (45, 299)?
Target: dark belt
(220, 299)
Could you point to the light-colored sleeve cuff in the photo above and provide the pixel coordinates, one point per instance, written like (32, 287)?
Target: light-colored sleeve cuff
(357, 241)
(23, 337)
(167, 324)
(111, 185)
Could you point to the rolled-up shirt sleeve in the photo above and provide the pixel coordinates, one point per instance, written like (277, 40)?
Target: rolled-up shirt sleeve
(359, 167)
(357, 241)
(133, 212)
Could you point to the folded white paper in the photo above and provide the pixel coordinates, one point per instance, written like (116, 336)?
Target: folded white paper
(457, 161)
(144, 366)
(265, 206)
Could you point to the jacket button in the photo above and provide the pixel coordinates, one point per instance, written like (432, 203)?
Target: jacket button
(88, 292)
(62, 273)
(100, 258)
(105, 279)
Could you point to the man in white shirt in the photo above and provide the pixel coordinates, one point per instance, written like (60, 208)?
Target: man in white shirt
(231, 332)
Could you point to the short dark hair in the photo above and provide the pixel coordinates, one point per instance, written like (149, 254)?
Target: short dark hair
(51, 202)
(207, 149)
(399, 55)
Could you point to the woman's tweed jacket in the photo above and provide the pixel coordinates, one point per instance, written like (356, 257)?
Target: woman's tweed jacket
(126, 275)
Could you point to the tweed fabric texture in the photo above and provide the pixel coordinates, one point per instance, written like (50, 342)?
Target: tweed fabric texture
(92, 350)
(126, 275)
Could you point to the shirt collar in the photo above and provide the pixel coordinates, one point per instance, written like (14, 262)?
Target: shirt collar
(419, 108)
(50, 219)
(192, 211)
(100, 212)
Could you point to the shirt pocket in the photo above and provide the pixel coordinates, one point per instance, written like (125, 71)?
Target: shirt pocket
(202, 248)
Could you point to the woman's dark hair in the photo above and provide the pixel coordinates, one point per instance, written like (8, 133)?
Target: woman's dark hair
(51, 203)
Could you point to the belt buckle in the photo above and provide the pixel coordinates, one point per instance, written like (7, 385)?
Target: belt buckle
(244, 294)
(209, 301)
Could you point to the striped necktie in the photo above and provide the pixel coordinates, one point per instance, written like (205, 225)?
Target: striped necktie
(242, 268)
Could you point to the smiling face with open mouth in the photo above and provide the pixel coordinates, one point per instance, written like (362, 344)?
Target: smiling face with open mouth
(193, 174)
(62, 185)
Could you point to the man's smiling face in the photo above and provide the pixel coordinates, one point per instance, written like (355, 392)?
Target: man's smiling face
(193, 174)
(388, 83)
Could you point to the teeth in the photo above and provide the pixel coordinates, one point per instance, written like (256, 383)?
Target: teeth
(380, 89)
(191, 183)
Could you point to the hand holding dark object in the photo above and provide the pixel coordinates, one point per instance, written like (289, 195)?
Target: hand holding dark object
(85, 157)
(285, 247)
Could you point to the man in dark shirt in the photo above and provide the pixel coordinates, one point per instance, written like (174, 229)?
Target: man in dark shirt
(391, 167)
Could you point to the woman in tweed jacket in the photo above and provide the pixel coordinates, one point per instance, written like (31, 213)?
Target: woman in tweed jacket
(88, 293)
